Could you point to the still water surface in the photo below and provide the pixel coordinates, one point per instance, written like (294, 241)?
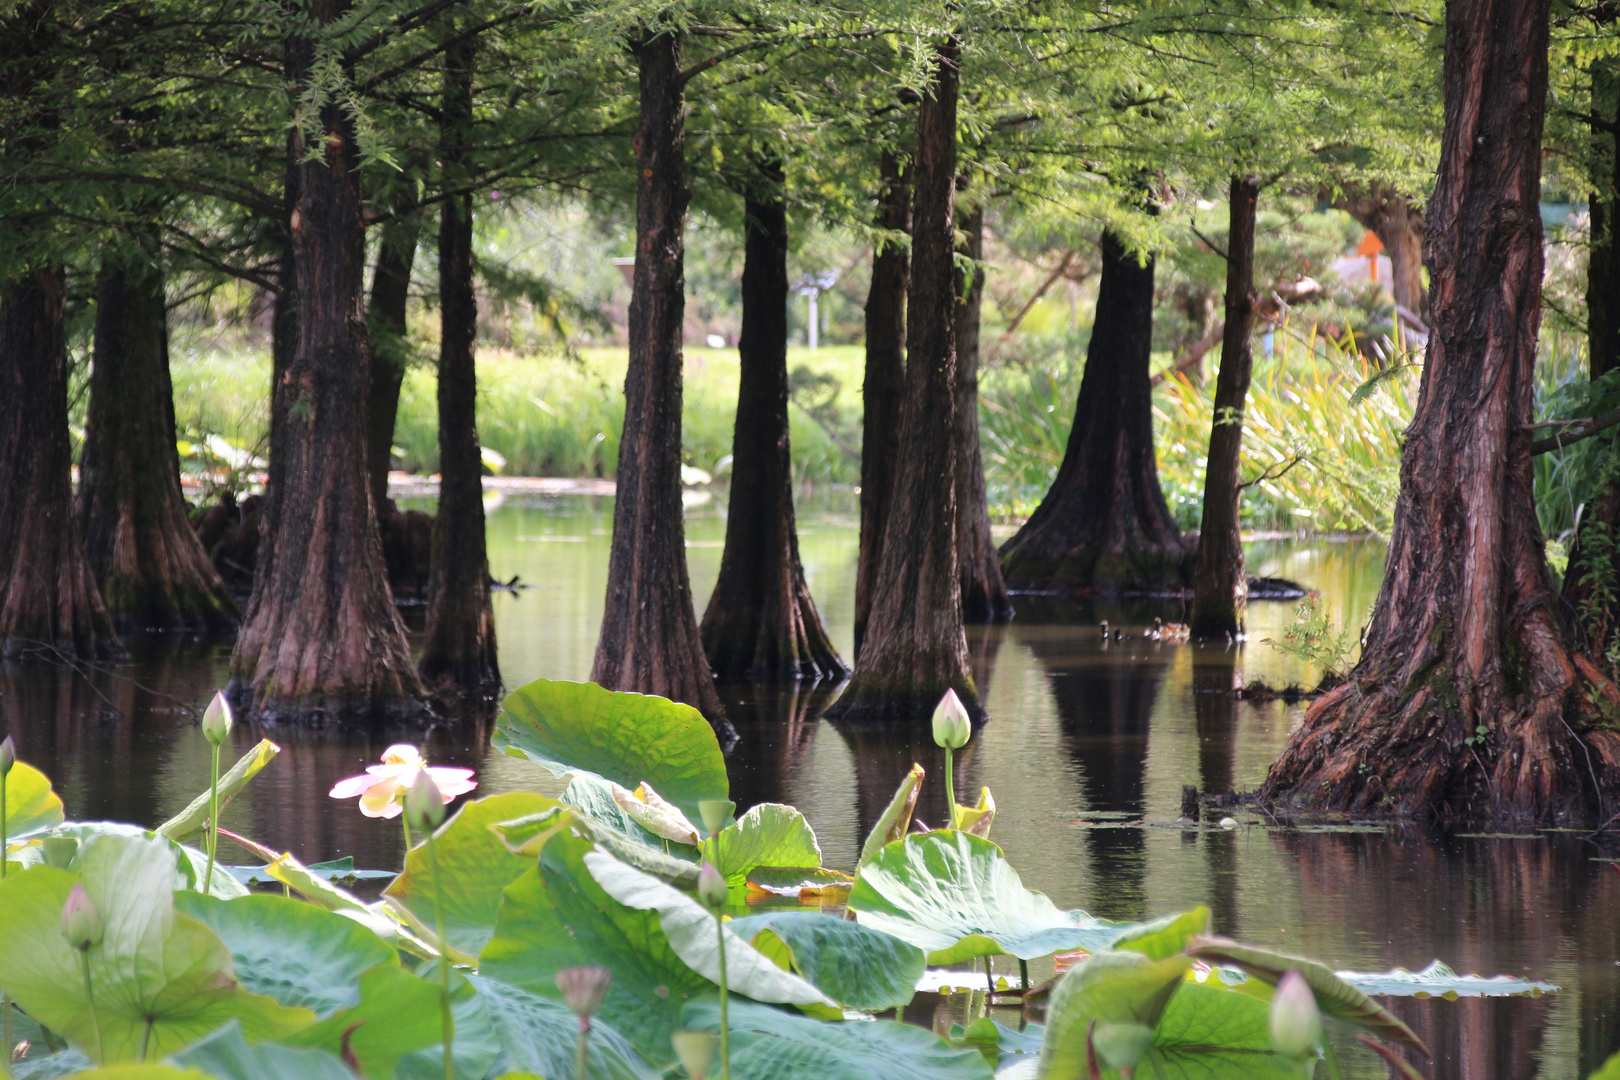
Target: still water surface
(1087, 752)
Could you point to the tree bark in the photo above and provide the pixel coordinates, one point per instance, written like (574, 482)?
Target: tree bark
(649, 641)
(1603, 265)
(1220, 589)
(322, 639)
(1104, 528)
(458, 649)
(151, 568)
(984, 593)
(915, 648)
(1399, 226)
(761, 624)
(884, 388)
(1468, 693)
(390, 295)
(48, 595)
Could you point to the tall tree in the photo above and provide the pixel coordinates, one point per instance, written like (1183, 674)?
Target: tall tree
(1104, 524)
(884, 386)
(390, 298)
(458, 649)
(1468, 695)
(322, 637)
(48, 596)
(152, 570)
(649, 641)
(1220, 586)
(1603, 263)
(761, 623)
(915, 648)
(984, 593)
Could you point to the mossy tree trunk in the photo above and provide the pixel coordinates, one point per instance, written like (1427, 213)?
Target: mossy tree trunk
(48, 595)
(761, 624)
(1469, 696)
(1220, 587)
(915, 648)
(147, 560)
(322, 639)
(885, 383)
(649, 641)
(984, 593)
(390, 297)
(458, 649)
(1104, 526)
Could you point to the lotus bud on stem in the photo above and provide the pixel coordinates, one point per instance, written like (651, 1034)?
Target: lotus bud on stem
(583, 989)
(696, 1050)
(1296, 1021)
(216, 725)
(424, 808)
(82, 927)
(712, 891)
(8, 758)
(952, 731)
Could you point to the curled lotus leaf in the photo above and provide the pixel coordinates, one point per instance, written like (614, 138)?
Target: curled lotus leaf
(652, 812)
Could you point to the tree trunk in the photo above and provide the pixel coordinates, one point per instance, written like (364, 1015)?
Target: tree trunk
(984, 593)
(48, 595)
(458, 649)
(1220, 589)
(650, 641)
(1603, 266)
(885, 384)
(1468, 694)
(150, 566)
(390, 294)
(322, 638)
(915, 648)
(761, 623)
(1399, 226)
(1104, 527)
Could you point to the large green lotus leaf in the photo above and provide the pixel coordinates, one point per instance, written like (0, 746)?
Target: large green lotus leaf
(292, 951)
(527, 836)
(30, 804)
(538, 1037)
(190, 864)
(690, 929)
(770, 834)
(1333, 995)
(855, 965)
(1108, 988)
(194, 818)
(225, 1055)
(556, 916)
(396, 1014)
(476, 1046)
(770, 1044)
(475, 865)
(1164, 938)
(154, 968)
(1610, 1069)
(320, 891)
(1212, 1032)
(955, 896)
(626, 738)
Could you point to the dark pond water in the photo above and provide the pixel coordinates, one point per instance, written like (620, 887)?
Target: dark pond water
(1087, 753)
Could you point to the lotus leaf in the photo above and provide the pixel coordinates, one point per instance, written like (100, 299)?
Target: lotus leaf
(194, 818)
(556, 916)
(396, 1014)
(476, 1047)
(1209, 1032)
(537, 1036)
(895, 821)
(474, 864)
(769, 1044)
(292, 951)
(143, 1072)
(323, 894)
(690, 929)
(977, 819)
(1164, 938)
(30, 805)
(1438, 980)
(770, 834)
(624, 738)
(1334, 996)
(1116, 988)
(649, 810)
(225, 1055)
(955, 895)
(800, 881)
(857, 966)
(161, 978)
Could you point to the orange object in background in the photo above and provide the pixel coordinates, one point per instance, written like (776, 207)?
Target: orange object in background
(1369, 249)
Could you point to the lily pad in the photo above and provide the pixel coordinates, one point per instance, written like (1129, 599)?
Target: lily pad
(194, 818)
(474, 866)
(956, 896)
(31, 805)
(770, 834)
(625, 738)
(1438, 980)
(538, 1037)
(800, 881)
(857, 966)
(160, 977)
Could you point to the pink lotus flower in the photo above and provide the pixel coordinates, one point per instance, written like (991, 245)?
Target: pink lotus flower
(382, 787)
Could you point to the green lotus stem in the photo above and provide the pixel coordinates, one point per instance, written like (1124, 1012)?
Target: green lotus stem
(146, 1036)
(950, 787)
(581, 1041)
(1023, 975)
(404, 819)
(1331, 1058)
(725, 1027)
(447, 1020)
(213, 824)
(90, 996)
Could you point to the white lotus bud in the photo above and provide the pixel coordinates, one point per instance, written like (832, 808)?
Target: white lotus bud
(711, 887)
(1296, 1022)
(951, 727)
(81, 922)
(424, 803)
(217, 720)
